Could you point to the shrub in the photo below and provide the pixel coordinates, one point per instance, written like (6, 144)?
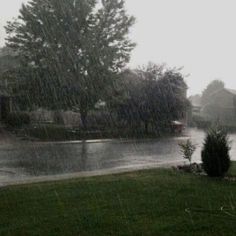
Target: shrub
(99, 120)
(187, 149)
(17, 119)
(49, 132)
(58, 118)
(215, 153)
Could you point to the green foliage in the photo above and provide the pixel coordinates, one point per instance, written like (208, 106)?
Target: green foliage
(99, 120)
(70, 50)
(150, 97)
(58, 118)
(49, 133)
(54, 132)
(150, 202)
(215, 153)
(187, 149)
(17, 119)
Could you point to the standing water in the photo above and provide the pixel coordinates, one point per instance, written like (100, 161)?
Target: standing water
(23, 160)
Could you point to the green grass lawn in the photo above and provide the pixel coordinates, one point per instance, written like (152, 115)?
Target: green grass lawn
(150, 202)
(232, 171)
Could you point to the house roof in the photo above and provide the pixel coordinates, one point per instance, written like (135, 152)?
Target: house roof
(231, 91)
(195, 100)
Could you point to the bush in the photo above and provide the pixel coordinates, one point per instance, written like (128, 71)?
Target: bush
(49, 133)
(17, 119)
(215, 153)
(58, 118)
(187, 149)
(99, 120)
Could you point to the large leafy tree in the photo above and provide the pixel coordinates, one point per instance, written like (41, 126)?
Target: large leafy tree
(69, 50)
(151, 97)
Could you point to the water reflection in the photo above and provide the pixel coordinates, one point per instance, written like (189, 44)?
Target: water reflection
(84, 155)
(37, 159)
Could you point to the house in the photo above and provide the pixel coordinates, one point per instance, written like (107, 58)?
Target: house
(221, 107)
(196, 104)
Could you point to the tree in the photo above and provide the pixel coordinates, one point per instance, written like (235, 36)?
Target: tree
(214, 86)
(150, 97)
(70, 50)
(215, 153)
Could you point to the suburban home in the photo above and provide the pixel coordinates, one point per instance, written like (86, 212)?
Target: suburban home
(221, 107)
(196, 104)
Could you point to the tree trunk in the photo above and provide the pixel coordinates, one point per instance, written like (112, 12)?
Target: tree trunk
(83, 115)
(146, 127)
(58, 118)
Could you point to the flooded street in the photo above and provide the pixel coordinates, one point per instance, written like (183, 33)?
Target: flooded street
(22, 160)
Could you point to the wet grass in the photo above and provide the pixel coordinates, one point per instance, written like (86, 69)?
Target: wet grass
(53, 132)
(151, 202)
(232, 171)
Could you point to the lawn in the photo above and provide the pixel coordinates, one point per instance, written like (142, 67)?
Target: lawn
(150, 202)
(232, 171)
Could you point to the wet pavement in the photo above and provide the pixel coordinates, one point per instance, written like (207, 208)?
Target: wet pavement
(21, 160)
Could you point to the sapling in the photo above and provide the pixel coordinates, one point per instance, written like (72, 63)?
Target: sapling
(187, 149)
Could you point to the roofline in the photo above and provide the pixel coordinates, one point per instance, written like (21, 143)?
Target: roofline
(223, 89)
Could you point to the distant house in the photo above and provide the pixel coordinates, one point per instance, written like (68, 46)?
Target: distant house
(196, 104)
(221, 107)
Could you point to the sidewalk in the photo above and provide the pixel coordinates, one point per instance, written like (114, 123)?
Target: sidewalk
(113, 171)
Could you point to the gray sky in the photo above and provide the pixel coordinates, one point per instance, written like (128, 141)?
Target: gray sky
(197, 34)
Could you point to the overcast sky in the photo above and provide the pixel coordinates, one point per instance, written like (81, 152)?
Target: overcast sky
(197, 34)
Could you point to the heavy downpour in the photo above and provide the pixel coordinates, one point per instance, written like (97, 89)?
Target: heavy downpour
(117, 117)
